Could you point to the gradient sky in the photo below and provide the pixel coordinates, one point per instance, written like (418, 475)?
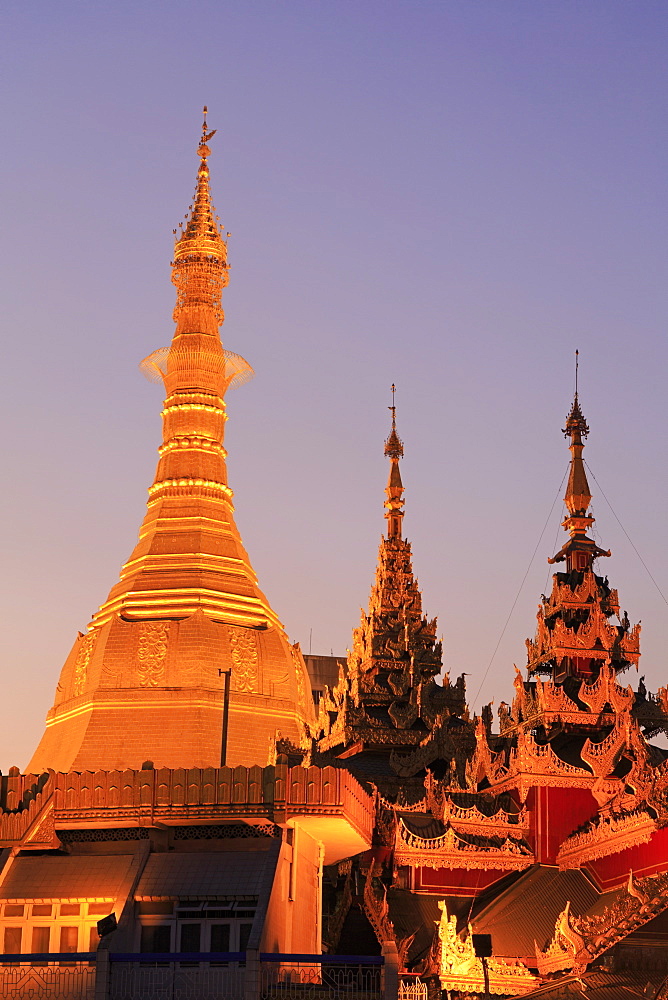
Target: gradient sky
(450, 195)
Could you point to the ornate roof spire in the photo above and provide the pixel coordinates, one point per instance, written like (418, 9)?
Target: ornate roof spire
(580, 550)
(394, 450)
(199, 269)
(577, 497)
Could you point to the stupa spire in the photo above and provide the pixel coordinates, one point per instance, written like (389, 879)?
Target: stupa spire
(186, 662)
(200, 269)
(394, 450)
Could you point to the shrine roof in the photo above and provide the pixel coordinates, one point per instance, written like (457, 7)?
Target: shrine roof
(59, 877)
(364, 765)
(221, 875)
(568, 747)
(600, 985)
(486, 802)
(529, 908)
(423, 824)
(413, 913)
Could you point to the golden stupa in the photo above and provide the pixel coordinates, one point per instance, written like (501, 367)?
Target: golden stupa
(185, 662)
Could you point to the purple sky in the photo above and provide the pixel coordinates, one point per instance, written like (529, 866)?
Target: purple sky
(449, 195)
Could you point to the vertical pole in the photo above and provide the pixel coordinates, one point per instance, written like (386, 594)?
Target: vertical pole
(102, 971)
(226, 712)
(390, 971)
(485, 972)
(318, 938)
(252, 975)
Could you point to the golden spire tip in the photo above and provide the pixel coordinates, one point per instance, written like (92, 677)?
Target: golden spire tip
(393, 446)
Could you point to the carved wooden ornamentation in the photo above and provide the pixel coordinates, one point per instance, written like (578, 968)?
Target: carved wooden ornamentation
(452, 851)
(461, 970)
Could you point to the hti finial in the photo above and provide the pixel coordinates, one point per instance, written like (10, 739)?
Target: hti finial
(203, 149)
(580, 550)
(393, 447)
(199, 270)
(394, 450)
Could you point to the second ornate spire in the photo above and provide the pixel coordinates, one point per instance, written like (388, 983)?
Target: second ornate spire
(394, 450)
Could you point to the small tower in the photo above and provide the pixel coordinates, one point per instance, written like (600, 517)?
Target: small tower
(388, 700)
(574, 635)
(185, 662)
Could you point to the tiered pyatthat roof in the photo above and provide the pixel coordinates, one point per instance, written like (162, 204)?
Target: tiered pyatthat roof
(570, 782)
(574, 635)
(388, 698)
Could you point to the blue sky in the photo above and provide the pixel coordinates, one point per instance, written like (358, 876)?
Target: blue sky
(451, 196)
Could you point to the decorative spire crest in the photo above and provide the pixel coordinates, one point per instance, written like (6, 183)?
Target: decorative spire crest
(199, 270)
(394, 447)
(580, 550)
(394, 450)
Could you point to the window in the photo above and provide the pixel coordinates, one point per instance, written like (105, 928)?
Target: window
(40, 941)
(42, 910)
(14, 910)
(156, 938)
(220, 937)
(12, 941)
(94, 938)
(70, 909)
(190, 937)
(69, 939)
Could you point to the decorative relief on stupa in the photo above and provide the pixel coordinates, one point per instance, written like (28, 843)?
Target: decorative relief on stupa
(151, 653)
(86, 647)
(244, 660)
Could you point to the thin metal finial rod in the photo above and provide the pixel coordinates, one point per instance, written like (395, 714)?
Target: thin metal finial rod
(393, 408)
(577, 364)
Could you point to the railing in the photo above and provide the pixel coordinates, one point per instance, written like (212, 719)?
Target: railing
(48, 976)
(198, 976)
(183, 976)
(320, 977)
(411, 987)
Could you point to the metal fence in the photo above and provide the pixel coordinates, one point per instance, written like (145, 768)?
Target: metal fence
(412, 988)
(186, 976)
(199, 976)
(320, 977)
(48, 977)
